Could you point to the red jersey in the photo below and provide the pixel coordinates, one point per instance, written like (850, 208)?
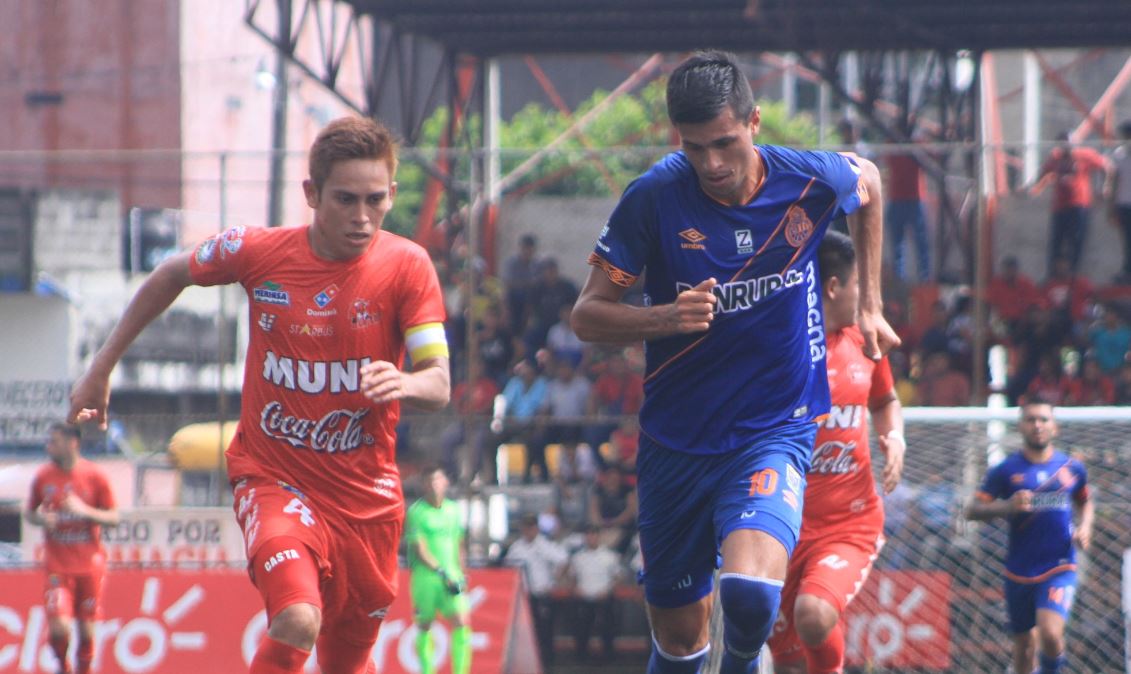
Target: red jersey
(840, 484)
(1072, 173)
(314, 324)
(74, 546)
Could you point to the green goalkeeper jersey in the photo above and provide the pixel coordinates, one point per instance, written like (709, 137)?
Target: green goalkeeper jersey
(441, 529)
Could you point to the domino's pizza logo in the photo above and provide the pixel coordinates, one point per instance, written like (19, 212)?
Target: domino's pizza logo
(326, 296)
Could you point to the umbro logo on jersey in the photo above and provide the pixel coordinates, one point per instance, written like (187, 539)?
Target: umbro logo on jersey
(693, 239)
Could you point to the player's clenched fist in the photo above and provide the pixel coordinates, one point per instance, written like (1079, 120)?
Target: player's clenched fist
(1022, 501)
(694, 308)
(383, 382)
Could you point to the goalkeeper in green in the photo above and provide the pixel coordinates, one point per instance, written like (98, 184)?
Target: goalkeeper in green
(434, 534)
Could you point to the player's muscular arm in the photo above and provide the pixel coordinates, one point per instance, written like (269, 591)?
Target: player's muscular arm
(1082, 536)
(983, 510)
(91, 393)
(887, 417)
(867, 228)
(104, 516)
(600, 316)
(42, 517)
(426, 387)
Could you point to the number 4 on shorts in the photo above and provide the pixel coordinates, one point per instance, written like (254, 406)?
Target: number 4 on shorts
(304, 514)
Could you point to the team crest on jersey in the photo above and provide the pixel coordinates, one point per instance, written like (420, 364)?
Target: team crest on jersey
(693, 239)
(271, 293)
(267, 321)
(1017, 478)
(744, 241)
(361, 316)
(326, 296)
(798, 226)
(206, 251)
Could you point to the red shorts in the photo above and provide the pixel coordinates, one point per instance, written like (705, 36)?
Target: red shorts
(74, 595)
(831, 566)
(357, 562)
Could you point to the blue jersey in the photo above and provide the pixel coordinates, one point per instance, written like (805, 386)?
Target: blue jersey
(1040, 542)
(762, 362)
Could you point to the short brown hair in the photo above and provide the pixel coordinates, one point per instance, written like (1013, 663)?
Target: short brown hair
(350, 138)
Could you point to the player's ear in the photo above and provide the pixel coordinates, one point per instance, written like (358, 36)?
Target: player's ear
(755, 120)
(832, 287)
(311, 192)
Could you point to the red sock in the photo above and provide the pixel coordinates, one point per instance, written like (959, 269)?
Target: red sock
(275, 657)
(828, 657)
(61, 644)
(336, 656)
(85, 655)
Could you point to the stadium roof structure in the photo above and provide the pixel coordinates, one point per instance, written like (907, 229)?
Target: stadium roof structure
(494, 27)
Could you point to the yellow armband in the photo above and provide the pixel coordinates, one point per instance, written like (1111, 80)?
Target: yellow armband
(425, 341)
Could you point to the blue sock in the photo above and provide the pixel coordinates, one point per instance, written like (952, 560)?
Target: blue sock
(750, 607)
(1050, 665)
(662, 663)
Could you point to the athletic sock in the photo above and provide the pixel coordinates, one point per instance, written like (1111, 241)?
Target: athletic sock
(461, 650)
(1051, 665)
(828, 656)
(276, 657)
(424, 650)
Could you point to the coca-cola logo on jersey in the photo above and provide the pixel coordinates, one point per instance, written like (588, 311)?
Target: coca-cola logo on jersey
(835, 458)
(337, 431)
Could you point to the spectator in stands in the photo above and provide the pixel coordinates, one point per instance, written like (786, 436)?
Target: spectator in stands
(1041, 333)
(1011, 293)
(547, 295)
(1066, 292)
(940, 385)
(1110, 341)
(561, 418)
(520, 270)
(960, 334)
(541, 560)
(1091, 387)
(472, 399)
(1069, 168)
(523, 398)
(935, 338)
(1123, 386)
(904, 190)
(1050, 384)
(624, 444)
(577, 467)
(592, 575)
(618, 392)
(496, 346)
(1119, 193)
(612, 506)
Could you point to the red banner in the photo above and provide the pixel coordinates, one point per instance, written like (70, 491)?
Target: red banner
(901, 619)
(192, 621)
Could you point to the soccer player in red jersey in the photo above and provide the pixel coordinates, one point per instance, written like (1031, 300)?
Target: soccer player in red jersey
(843, 520)
(71, 499)
(334, 306)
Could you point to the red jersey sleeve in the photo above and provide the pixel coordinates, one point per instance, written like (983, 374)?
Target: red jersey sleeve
(883, 384)
(223, 258)
(35, 496)
(420, 299)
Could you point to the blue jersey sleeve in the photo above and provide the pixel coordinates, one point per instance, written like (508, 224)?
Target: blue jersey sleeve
(1080, 491)
(623, 245)
(996, 483)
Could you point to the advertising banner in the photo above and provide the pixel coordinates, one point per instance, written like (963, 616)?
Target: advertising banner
(190, 621)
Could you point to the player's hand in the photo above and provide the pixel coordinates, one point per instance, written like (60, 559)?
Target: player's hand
(452, 585)
(90, 396)
(1022, 501)
(879, 338)
(383, 382)
(50, 518)
(1082, 537)
(893, 447)
(75, 505)
(694, 308)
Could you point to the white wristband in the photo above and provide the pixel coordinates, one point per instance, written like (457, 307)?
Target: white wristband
(892, 435)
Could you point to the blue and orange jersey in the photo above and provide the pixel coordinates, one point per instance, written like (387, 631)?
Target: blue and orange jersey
(762, 362)
(1040, 542)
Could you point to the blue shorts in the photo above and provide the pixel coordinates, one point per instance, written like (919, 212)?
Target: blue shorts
(689, 503)
(1022, 600)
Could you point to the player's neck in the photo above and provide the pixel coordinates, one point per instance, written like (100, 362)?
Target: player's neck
(1038, 455)
(435, 500)
(65, 463)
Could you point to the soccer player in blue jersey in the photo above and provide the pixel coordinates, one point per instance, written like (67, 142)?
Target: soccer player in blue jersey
(1037, 489)
(727, 232)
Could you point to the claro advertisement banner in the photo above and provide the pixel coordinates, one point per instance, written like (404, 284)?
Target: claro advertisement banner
(179, 621)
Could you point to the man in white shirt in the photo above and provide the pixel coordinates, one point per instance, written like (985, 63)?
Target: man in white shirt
(541, 560)
(594, 571)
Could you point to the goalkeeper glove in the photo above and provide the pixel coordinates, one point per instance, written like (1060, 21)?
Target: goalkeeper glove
(453, 586)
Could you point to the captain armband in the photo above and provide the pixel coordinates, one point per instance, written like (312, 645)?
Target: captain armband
(426, 341)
